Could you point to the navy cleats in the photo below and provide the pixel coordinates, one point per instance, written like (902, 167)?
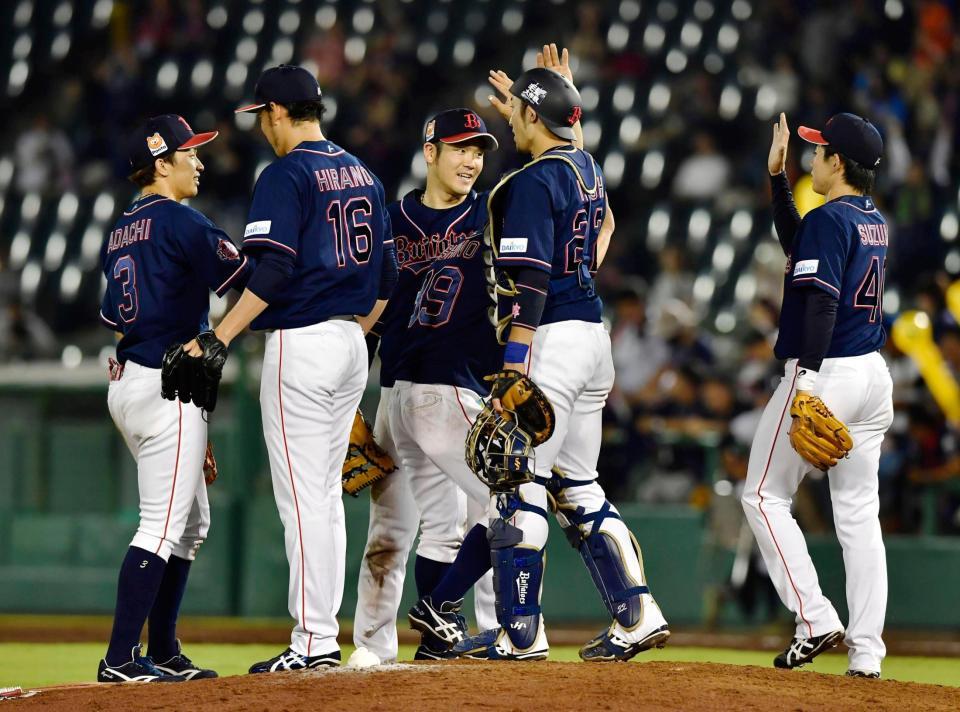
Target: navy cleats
(182, 666)
(495, 644)
(137, 669)
(609, 646)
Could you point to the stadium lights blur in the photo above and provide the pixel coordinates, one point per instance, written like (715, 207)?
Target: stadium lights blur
(653, 38)
(463, 51)
(103, 207)
(691, 34)
(703, 288)
(19, 249)
(630, 129)
(246, 50)
(657, 228)
(67, 209)
(427, 52)
(72, 356)
(727, 38)
(667, 10)
(617, 36)
(629, 10)
(952, 262)
(949, 227)
(741, 10)
(282, 51)
(723, 256)
(330, 104)
(60, 47)
(437, 22)
(766, 253)
(30, 207)
(676, 61)
(326, 17)
(725, 322)
(713, 63)
(418, 168)
(703, 10)
(730, 99)
(592, 132)
(652, 169)
(202, 75)
(18, 78)
(363, 20)
(236, 76)
(63, 14)
(289, 21)
(766, 103)
(613, 167)
(90, 246)
(54, 252)
(253, 22)
(589, 97)
(23, 13)
(746, 288)
(659, 98)
(217, 17)
(22, 46)
(512, 20)
(475, 21)
(355, 49)
(70, 282)
(6, 172)
(893, 9)
(623, 98)
(741, 225)
(167, 77)
(30, 280)
(891, 300)
(698, 228)
(102, 11)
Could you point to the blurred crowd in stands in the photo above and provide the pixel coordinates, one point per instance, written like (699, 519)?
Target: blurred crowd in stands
(689, 388)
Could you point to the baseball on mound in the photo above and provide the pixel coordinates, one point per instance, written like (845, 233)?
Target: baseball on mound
(363, 658)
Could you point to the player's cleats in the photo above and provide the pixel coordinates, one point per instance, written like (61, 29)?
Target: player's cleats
(444, 622)
(869, 674)
(803, 650)
(619, 643)
(138, 669)
(289, 660)
(182, 666)
(495, 644)
(427, 652)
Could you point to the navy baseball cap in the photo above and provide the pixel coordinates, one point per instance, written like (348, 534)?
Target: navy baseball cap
(457, 126)
(162, 136)
(851, 135)
(556, 101)
(285, 84)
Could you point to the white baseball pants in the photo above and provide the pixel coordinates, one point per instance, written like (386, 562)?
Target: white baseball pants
(859, 392)
(312, 381)
(168, 439)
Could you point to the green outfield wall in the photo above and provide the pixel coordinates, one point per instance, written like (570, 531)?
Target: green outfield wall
(68, 508)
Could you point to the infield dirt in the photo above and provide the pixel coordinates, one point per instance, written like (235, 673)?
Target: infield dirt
(465, 685)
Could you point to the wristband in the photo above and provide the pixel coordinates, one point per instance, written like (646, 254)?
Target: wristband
(515, 352)
(806, 378)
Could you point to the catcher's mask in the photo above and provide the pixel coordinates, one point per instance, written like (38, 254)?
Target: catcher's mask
(499, 452)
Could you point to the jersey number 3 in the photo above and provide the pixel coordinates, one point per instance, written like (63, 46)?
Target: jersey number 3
(870, 293)
(351, 229)
(125, 272)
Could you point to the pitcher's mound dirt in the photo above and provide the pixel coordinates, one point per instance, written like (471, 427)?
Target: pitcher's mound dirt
(513, 686)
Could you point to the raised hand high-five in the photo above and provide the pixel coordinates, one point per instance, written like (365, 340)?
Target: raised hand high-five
(777, 160)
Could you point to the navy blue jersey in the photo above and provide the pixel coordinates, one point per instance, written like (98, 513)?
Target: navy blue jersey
(442, 330)
(841, 248)
(161, 260)
(550, 213)
(322, 206)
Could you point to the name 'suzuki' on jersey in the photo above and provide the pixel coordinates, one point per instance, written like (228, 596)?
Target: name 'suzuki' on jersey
(872, 234)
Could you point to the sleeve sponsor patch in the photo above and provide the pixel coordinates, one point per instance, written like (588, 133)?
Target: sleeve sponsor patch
(260, 227)
(513, 245)
(806, 267)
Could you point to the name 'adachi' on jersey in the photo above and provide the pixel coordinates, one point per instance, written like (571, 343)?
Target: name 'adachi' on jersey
(549, 215)
(161, 260)
(323, 206)
(841, 248)
(437, 327)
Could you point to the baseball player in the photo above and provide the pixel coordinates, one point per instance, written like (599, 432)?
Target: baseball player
(830, 334)
(320, 230)
(547, 226)
(437, 342)
(160, 261)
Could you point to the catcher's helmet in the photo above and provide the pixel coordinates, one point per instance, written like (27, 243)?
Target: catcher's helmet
(499, 452)
(556, 101)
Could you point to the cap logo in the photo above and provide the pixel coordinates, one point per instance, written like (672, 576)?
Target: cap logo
(471, 121)
(430, 130)
(534, 93)
(156, 144)
(574, 115)
(184, 122)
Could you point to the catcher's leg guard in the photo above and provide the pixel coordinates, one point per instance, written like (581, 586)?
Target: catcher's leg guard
(517, 580)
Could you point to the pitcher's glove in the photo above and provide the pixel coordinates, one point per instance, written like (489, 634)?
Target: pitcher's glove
(523, 400)
(366, 461)
(191, 378)
(818, 436)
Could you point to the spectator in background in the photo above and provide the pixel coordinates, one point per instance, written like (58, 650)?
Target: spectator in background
(704, 174)
(689, 344)
(673, 281)
(24, 336)
(638, 354)
(43, 159)
(916, 244)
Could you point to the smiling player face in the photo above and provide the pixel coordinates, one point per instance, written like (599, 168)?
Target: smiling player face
(185, 170)
(456, 167)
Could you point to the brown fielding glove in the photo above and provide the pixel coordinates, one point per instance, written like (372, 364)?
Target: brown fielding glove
(817, 435)
(209, 465)
(524, 401)
(366, 461)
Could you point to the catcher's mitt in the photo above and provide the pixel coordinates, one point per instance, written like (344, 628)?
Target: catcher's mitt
(526, 404)
(195, 379)
(366, 461)
(818, 436)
